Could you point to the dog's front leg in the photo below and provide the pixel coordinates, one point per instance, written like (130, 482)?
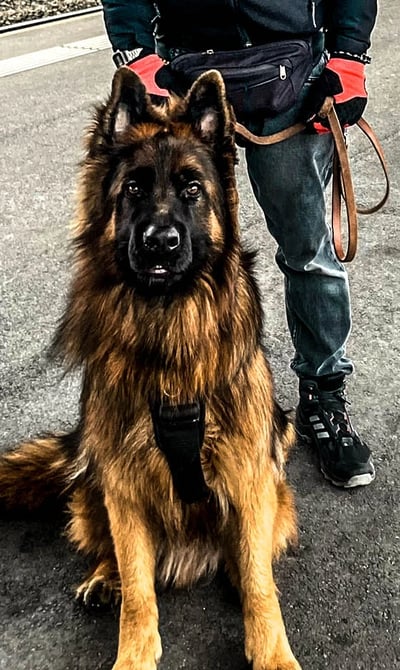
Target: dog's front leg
(139, 645)
(266, 644)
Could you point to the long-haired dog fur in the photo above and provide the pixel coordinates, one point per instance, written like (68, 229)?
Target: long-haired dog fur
(164, 319)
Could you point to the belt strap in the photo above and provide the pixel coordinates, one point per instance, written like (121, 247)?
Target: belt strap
(179, 433)
(342, 183)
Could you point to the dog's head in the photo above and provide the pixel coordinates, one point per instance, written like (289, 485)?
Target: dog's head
(159, 185)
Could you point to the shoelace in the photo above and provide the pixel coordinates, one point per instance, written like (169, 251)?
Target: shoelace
(333, 404)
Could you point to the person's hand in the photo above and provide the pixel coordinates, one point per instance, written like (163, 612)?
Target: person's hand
(344, 80)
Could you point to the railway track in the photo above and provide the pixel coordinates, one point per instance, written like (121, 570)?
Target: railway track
(48, 19)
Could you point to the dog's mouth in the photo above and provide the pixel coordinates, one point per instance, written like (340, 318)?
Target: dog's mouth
(159, 277)
(158, 272)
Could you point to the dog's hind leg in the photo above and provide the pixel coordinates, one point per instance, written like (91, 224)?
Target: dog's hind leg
(102, 587)
(89, 530)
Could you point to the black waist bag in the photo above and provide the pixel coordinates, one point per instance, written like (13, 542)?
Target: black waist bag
(260, 81)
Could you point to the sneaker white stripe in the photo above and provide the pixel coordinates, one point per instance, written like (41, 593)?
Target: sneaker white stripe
(318, 426)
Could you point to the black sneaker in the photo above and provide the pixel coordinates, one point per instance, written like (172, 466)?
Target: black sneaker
(322, 419)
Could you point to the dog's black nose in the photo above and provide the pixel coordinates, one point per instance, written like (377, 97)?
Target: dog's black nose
(161, 238)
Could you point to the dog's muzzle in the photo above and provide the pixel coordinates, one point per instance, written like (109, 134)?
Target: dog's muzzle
(160, 254)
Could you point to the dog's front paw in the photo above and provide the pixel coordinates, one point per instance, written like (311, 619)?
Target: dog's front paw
(142, 652)
(133, 665)
(267, 646)
(278, 665)
(278, 661)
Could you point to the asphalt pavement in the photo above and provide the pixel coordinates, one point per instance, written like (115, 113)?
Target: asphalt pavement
(340, 589)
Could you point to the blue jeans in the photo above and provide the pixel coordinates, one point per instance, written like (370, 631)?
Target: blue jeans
(289, 180)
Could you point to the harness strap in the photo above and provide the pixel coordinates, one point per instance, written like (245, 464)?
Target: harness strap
(179, 433)
(342, 183)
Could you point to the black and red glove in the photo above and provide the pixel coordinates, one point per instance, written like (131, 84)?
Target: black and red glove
(148, 69)
(155, 74)
(344, 80)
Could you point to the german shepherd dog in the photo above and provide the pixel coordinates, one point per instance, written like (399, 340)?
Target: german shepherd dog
(177, 463)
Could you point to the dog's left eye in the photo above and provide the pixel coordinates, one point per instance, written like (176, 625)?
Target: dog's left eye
(132, 189)
(192, 190)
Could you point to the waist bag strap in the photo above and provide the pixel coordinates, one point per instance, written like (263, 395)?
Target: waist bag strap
(179, 433)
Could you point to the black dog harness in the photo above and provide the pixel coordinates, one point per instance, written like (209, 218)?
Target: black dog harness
(179, 433)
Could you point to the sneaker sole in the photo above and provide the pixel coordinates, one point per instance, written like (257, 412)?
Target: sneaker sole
(357, 480)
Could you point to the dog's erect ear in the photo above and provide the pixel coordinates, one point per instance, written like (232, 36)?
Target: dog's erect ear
(128, 103)
(208, 109)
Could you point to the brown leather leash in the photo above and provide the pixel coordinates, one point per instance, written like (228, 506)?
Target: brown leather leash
(342, 182)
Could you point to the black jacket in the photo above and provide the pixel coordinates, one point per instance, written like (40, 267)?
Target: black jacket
(228, 24)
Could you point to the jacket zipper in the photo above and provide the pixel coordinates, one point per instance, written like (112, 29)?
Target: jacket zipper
(246, 42)
(313, 16)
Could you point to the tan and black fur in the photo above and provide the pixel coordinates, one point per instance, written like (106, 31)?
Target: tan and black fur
(163, 306)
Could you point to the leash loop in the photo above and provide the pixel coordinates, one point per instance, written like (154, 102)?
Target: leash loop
(342, 183)
(369, 133)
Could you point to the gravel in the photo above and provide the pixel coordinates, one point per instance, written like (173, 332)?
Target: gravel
(16, 11)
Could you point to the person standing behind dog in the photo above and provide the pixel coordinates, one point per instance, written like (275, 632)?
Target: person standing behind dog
(289, 179)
